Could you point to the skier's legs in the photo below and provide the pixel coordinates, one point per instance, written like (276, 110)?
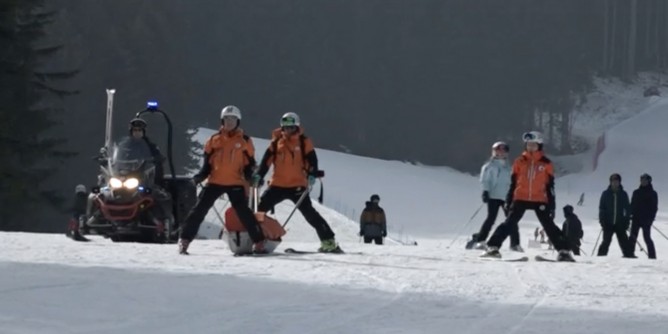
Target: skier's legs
(502, 231)
(493, 206)
(605, 243)
(271, 197)
(623, 241)
(239, 203)
(312, 216)
(367, 240)
(633, 236)
(207, 197)
(378, 240)
(553, 232)
(646, 233)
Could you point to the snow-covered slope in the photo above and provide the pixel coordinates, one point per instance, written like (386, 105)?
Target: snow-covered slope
(49, 284)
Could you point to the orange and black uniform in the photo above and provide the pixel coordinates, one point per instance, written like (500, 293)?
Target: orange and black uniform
(292, 167)
(228, 164)
(531, 188)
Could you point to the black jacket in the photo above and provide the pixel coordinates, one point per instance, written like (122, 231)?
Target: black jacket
(572, 229)
(372, 221)
(158, 160)
(614, 208)
(644, 204)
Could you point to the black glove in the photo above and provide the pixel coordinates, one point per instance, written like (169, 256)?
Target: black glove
(361, 234)
(485, 196)
(384, 234)
(507, 206)
(197, 179)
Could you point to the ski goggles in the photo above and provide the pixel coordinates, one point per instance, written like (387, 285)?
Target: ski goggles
(288, 121)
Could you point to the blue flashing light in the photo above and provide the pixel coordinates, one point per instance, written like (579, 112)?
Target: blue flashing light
(152, 105)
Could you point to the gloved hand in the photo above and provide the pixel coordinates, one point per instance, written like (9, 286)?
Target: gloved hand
(485, 196)
(384, 233)
(361, 234)
(507, 206)
(311, 180)
(197, 179)
(257, 180)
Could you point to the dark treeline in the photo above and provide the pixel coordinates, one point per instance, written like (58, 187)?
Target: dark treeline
(431, 81)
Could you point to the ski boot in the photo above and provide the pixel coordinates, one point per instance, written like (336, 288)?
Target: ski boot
(492, 252)
(329, 246)
(471, 243)
(183, 247)
(565, 256)
(517, 248)
(480, 245)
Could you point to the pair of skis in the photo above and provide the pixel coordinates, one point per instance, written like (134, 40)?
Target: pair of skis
(538, 258)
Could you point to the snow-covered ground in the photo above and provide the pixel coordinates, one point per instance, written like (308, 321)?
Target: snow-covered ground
(50, 284)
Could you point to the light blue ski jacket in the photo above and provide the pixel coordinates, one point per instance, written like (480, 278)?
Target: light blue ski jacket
(495, 178)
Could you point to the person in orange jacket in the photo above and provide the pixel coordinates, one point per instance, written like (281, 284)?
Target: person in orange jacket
(295, 169)
(531, 188)
(228, 164)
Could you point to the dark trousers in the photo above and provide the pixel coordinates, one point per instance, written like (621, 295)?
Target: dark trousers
(515, 215)
(376, 240)
(207, 197)
(493, 206)
(275, 195)
(574, 246)
(646, 233)
(608, 232)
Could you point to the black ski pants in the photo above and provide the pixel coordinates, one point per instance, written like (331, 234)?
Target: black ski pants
(275, 195)
(376, 240)
(493, 206)
(617, 229)
(646, 233)
(207, 197)
(516, 213)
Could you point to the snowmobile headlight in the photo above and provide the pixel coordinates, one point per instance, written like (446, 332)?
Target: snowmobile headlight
(115, 183)
(131, 183)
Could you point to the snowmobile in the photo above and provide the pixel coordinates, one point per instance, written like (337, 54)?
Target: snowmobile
(123, 206)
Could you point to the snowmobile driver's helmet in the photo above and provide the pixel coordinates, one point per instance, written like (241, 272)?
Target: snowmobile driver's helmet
(230, 113)
(138, 124)
(568, 210)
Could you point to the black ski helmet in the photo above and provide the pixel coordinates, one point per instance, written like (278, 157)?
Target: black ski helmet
(375, 197)
(137, 123)
(616, 176)
(568, 210)
(646, 177)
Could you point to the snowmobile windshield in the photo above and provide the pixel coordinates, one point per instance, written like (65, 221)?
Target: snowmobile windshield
(129, 156)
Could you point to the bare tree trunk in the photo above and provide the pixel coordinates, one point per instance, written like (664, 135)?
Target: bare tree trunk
(613, 35)
(631, 46)
(648, 27)
(657, 41)
(606, 33)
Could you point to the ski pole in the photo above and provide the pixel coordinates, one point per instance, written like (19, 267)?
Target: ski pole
(641, 249)
(596, 243)
(459, 232)
(299, 202)
(657, 229)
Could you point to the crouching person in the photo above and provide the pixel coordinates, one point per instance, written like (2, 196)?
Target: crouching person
(572, 229)
(373, 226)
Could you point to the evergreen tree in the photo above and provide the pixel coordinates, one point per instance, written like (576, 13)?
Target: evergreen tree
(28, 98)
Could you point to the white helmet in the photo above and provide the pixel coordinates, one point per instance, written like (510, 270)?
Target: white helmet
(501, 144)
(533, 137)
(80, 189)
(290, 119)
(230, 111)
